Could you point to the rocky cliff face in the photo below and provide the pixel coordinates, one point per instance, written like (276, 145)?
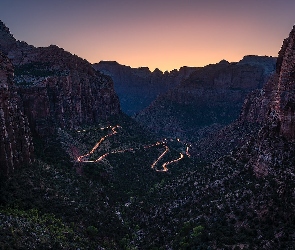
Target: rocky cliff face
(62, 90)
(265, 129)
(58, 89)
(273, 109)
(16, 146)
(285, 99)
(7, 41)
(138, 87)
(250, 187)
(274, 105)
(211, 96)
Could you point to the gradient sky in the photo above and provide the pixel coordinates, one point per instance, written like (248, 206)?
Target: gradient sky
(166, 34)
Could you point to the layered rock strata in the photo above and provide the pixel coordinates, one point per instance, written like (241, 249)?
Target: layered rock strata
(58, 89)
(138, 87)
(16, 148)
(210, 97)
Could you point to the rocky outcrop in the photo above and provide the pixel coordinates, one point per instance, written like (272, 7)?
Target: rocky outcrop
(58, 89)
(138, 87)
(7, 41)
(210, 96)
(264, 132)
(16, 146)
(273, 108)
(285, 100)
(274, 105)
(62, 90)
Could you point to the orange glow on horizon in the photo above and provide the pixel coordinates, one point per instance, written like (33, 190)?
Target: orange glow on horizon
(157, 34)
(196, 48)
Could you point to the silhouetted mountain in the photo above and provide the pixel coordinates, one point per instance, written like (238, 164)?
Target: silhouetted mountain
(7, 41)
(138, 87)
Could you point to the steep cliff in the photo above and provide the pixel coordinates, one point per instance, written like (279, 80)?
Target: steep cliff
(285, 100)
(7, 41)
(273, 108)
(62, 90)
(16, 146)
(138, 87)
(58, 89)
(210, 96)
(245, 197)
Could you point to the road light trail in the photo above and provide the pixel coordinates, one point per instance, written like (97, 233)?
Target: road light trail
(170, 162)
(187, 152)
(114, 131)
(80, 158)
(159, 158)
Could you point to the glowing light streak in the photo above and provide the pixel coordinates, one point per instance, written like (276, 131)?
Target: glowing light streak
(83, 158)
(187, 152)
(170, 162)
(80, 158)
(160, 157)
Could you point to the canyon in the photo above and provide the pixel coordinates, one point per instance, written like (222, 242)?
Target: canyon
(46, 89)
(138, 87)
(78, 173)
(210, 98)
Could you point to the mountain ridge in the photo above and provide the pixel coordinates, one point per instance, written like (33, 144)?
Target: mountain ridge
(138, 87)
(210, 97)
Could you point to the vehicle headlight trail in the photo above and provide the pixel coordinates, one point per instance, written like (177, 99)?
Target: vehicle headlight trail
(85, 158)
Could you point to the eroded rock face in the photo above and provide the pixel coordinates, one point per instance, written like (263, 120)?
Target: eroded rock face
(138, 87)
(62, 90)
(58, 89)
(274, 105)
(7, 41)
(210, 96)
(273, 109)
(285, 100)
(16, 146)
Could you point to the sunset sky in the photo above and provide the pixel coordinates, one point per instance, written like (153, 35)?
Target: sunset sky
(166, 34)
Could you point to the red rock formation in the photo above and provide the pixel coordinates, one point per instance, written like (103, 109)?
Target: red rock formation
(7, 41)
(211, 95)
(72, 94)
(58, 89)
(15, 141)
(285, 98)
(274, 105)
(138, 87)
(273, 109)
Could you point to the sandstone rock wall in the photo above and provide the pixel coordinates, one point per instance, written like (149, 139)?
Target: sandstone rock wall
(285, 99)
(138, 87)
(62, 90)
(58, 89)
(210, 96)
(274, 105)
(16, 148)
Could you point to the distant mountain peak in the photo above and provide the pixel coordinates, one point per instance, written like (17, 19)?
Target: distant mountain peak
(224, 62)
(109, 62)
(158, 71)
